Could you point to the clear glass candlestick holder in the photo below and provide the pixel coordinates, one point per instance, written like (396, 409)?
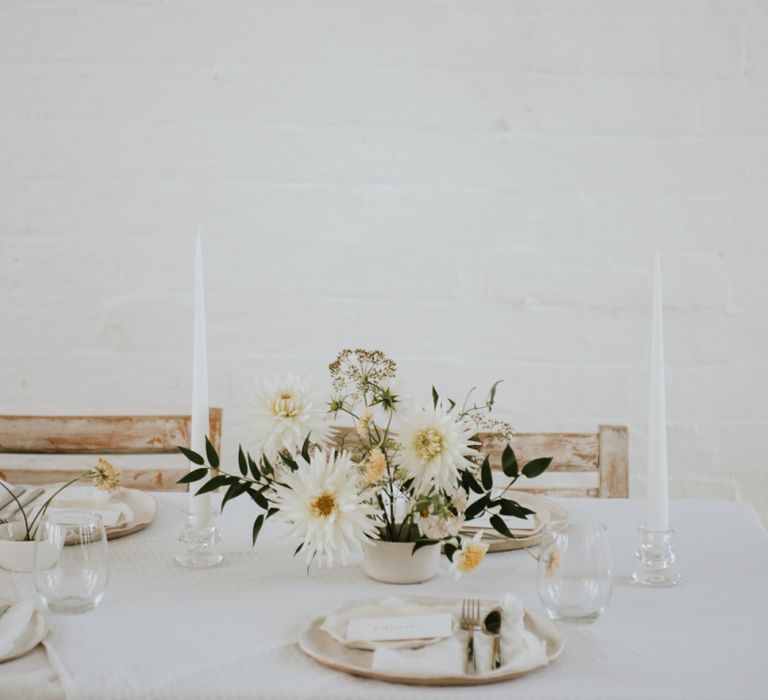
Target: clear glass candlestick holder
(657, 558)
(200, 538)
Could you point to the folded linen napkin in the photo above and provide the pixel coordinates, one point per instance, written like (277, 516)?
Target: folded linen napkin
(13, 624)
(113, 513)
(521, 650)
(337, 624)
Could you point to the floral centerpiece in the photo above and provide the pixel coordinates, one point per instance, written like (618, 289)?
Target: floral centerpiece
(400, 473)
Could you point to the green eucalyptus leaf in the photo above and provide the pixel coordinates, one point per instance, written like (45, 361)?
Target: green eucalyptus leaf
(450, 550)
(477, 507)
(435, 397)
(305, 449)
(242, 462)
(298, 549)
(492, 394)
(513, 508)
(214, 483)
(213, 457)
(272, 511)
(259, 499)
(233, 492)
(469, 482)
(254, 468)
(257, 527)
(290, 462)
(486, 477)
(509, 462)
(498, 524)
(190, 455)
(536, 467)
(194, 475)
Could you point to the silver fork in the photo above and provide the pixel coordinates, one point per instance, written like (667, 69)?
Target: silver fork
(470, 621)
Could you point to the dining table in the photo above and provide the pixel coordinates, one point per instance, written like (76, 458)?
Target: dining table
(163, 632)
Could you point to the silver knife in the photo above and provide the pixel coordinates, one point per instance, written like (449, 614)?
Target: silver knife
(25, 500)
(6, 499)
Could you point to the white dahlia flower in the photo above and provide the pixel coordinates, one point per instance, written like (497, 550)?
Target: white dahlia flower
(284, 413)
(433, 447)
(321, 502)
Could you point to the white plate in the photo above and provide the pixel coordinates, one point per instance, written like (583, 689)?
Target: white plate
(29, 639)
(142, 504)
(545, 509)
(324, 649)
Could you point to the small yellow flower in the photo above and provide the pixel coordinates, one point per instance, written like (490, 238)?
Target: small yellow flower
(105, 476)
(364, 423)
(553, 563)
(376, 466)
(470, 556)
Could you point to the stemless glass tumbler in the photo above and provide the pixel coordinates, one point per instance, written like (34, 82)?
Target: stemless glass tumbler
(575, 573)
(71, 561)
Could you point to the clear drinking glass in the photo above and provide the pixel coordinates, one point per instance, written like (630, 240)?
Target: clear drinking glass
(71, 561)
(575, 571)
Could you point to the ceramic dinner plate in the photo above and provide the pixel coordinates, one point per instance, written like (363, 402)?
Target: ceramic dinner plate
(32, 636)
(545, 510)
(323, 648)
(142, 504)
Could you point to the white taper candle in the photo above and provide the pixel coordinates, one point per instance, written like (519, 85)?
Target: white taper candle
(657, 517)
(199, 505)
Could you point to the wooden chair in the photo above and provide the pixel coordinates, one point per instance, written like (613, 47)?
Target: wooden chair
(601, 457)
(604, 455)
(102, 436)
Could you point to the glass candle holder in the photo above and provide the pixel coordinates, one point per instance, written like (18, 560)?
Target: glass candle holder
(201, 539)
(657, 558)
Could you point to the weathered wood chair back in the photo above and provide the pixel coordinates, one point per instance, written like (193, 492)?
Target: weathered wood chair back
(101, 436)
(599, 461)
(601, 457)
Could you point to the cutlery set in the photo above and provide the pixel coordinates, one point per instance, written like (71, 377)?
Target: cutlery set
(469, 621)
(25, 495)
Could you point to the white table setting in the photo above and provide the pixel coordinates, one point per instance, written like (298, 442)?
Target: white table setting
(323, 564)
(233, 631)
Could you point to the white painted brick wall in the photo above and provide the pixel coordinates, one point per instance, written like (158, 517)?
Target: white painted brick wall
(475, 186)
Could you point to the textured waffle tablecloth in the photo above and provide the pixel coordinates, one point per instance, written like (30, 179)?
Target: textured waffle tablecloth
(163, 632)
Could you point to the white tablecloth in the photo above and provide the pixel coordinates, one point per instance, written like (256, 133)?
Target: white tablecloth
(163, 632)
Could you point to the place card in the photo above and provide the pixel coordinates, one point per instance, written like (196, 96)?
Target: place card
(484, 522)
(383, 629)
(110, 518)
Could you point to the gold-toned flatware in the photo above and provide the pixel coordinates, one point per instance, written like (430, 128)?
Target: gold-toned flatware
(470, 622)
(492, 626)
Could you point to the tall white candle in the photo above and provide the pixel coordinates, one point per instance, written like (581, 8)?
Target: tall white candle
(657, 517)
(199, 505)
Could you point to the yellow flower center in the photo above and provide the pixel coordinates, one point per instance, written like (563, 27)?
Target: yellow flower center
(285, 406)
(323, 505)
(471, 558)
(428, 444)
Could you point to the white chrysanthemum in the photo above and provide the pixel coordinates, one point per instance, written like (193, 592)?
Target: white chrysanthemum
(284, 413)
(438, 527)
(470, 556)
(321, 502)
(434, 447)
